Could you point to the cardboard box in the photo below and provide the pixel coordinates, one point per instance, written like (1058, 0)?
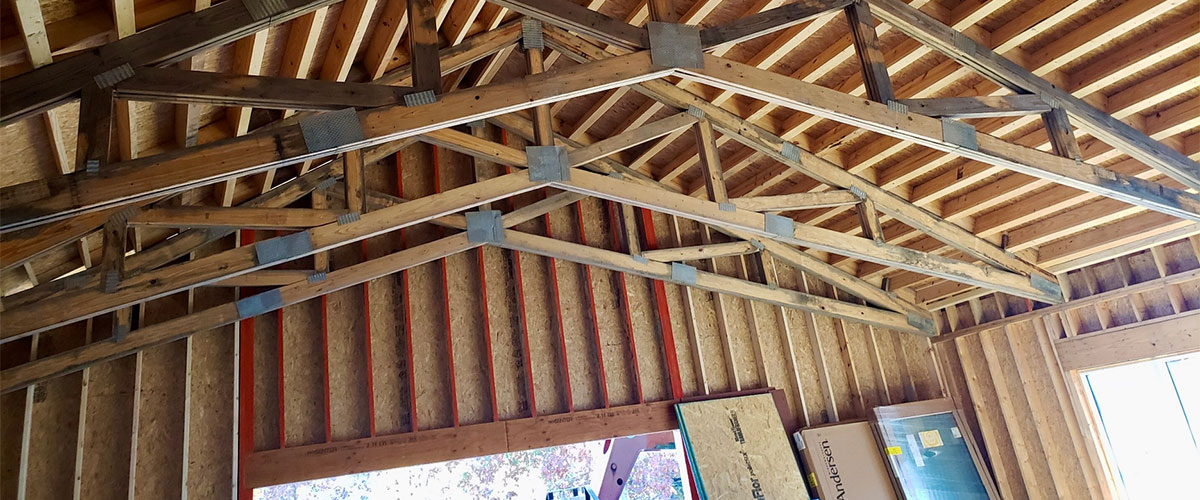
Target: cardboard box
(843, 462)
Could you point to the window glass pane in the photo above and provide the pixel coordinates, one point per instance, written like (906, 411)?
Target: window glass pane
(1186, 375)
(657, 474)
(1146, 429)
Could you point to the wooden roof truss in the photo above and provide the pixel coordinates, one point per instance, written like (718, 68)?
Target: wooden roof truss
(370, 120)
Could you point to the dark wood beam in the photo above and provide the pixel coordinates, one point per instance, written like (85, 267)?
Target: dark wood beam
(767, 22)
(423, 45)
(223, 89)
(172, 41)
(96, 120)
(581, 20)
(1062, 137)
(870, 55)
(1101, 125)
(978, 107)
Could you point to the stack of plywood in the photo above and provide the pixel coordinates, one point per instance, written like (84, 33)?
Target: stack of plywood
(738, 449)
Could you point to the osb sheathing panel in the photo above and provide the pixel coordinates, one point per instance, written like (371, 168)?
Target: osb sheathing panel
(268, 393)
(158, 461)
(631, 344)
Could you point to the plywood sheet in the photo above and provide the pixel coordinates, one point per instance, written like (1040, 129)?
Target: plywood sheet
(739, 449)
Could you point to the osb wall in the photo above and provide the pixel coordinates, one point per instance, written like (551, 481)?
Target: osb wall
(1023, 406)
(165, 422)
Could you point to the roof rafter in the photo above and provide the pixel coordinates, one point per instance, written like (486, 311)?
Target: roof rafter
(811, 165)
(41, 201)
(172, 41)
(1129, 140)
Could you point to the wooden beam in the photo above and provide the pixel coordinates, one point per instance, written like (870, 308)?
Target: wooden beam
(181, 244)
(1125, 138)
(809, 164)
(126, 125)
(868, 218)
(620, 142)
(235, 217)
(459, 21)
(266, 278)
(524, 128)
(459, 56)
(877, 117)
(222, 89)
(870, 55)
(248, 54)
(543, 123)
(710, 162)
(767, 22)
(797, 201)
(389, 29)
(172, 41)
(302, 463)
(818, 238)
(581, 20)
(96, 121)
(476, 146)
(347, 36)
(810, 265)
(187, 117)
(33, 30)
(701, 252)
(19, 247)
(209, 319)
(1158, 338)
(621, 262)
(423, 45)
(355, 176)
(663, 11)
(75, 360)
(45, 200)
(39, 316)
(1062, 137)
(978, 107)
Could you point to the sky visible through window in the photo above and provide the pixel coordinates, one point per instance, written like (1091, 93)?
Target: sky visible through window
(517, 475)
(1149, 413)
